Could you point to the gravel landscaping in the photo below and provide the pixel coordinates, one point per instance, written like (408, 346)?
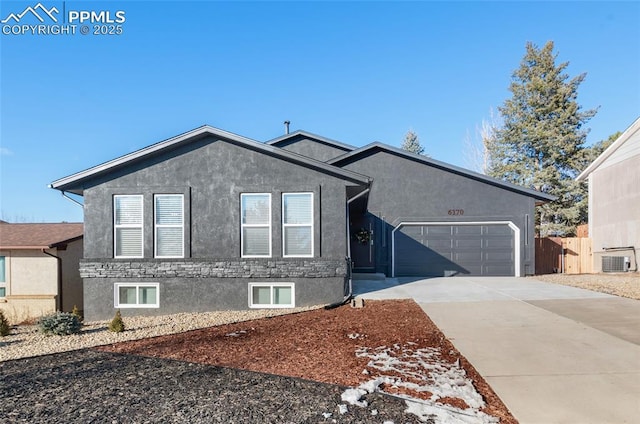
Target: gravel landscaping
(26, 341)
(59, 377)
(87, 386)
(384, 363)
(625, 284)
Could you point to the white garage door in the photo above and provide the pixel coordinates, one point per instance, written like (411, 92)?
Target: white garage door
(454, 249)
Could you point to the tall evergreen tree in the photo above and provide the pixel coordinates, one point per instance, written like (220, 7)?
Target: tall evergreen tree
(411, 143)
(594, 151)
(540, 143)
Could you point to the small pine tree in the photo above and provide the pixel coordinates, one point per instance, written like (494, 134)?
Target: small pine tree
(75, 311)
(117, 324)
(60, 324)
(411, 143)
(5, 328)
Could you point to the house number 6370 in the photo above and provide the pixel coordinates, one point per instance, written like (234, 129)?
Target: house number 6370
(456, 212)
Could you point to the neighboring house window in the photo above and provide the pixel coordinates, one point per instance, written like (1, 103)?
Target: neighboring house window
(297, 224)
(256, 224)
(3, 277)
(169, 225)
(272, 295)
(136, 295)
(128, 226)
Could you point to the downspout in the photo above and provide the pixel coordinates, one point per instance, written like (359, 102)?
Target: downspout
(71, 198)
(59, 262)
(348, 258)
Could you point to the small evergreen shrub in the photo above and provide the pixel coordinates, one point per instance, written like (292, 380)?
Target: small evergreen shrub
(75, 311)
(60, 324)
(5, 328)
(117, 324)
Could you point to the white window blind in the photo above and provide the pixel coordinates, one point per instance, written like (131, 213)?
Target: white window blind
(255, 211)
(128, 226)
(297, 224)
(169, 225)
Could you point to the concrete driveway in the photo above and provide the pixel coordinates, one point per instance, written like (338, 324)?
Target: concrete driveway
(554, 354)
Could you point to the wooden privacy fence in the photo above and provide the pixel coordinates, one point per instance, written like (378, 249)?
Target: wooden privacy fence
(571, 255)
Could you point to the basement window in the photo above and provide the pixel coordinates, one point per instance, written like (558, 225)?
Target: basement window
(136, 295)
(272, 295)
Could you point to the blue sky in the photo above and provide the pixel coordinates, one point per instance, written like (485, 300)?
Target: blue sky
(356, 72)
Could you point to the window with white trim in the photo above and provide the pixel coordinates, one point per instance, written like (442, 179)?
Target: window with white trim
(297, 224)
(169, 225)
(127, 219)
(255, 223)
(3, 276)
(136, 295)
(272, 295)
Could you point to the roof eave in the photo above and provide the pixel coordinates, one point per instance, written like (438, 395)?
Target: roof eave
(24, 247)
(633, 128)
(66, 241)
(72, 182)
(307, 134)
(489, 180)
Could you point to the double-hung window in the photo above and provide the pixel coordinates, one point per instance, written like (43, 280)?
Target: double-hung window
(169, 225)
(3, 276)
(297, 224)
(255, 216)
(128, 226)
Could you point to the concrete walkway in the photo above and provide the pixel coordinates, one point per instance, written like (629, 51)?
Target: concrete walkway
(554, 354)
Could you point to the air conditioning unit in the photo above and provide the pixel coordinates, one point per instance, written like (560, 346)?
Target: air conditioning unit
(615, 263)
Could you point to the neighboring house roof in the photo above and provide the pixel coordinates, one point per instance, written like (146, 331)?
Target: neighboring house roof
(300, 133)
(377, 146)
(74, 183)
(634, 129)
(38, 236)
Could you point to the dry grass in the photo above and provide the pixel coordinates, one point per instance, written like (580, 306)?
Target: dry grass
(626, 284)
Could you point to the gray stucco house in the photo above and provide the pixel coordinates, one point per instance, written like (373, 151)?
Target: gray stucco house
(209, 220)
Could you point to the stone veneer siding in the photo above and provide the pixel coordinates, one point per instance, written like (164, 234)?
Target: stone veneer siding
(217, 268)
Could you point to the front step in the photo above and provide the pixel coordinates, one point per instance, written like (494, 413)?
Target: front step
(368, 276)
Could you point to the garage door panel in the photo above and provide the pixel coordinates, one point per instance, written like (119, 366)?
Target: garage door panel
(472, 269)
(413, 231)
(496, 269)
(472, 243)
(495, 244)
(498, 256)
(437, 244)
(469, 257)
(474, 249)
(437, 230)
(498, 230)
(472, 230)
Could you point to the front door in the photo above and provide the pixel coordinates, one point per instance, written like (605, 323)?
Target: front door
(362, 243)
